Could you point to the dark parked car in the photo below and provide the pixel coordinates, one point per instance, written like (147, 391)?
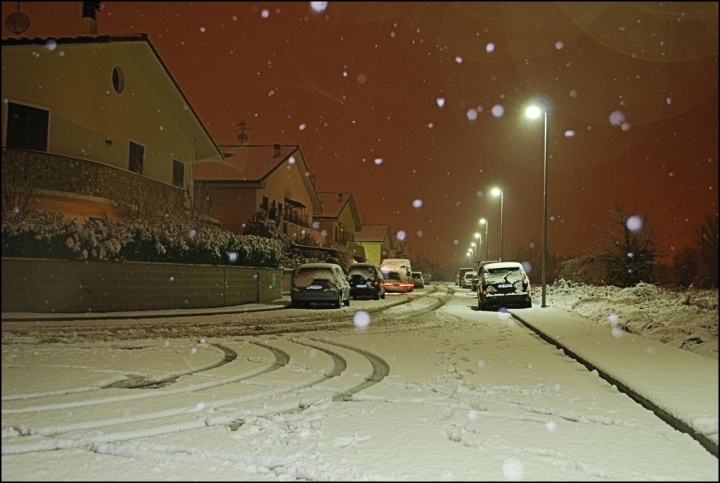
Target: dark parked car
(320, 283)
(366, 280)
(418, 280)
(503, 284)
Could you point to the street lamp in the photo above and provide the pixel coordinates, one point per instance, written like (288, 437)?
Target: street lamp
(498, 192)
(474, 249)
(479, 241)
(534, 112)
(483, 221)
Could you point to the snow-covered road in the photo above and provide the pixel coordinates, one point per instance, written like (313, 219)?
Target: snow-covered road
(431, 389)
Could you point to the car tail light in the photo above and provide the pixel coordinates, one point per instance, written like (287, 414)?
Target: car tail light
(485, 294)
(388, 284)
(376, 282)
(294, 289)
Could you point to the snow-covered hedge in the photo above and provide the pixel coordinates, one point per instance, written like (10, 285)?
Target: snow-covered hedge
(50, 236)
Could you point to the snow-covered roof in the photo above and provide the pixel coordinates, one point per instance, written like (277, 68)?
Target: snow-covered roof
(373, 233)
(502, 265)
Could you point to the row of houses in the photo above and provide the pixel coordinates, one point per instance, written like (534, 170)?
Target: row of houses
(82, 114)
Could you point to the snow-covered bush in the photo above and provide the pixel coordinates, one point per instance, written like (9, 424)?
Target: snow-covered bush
(50, 236)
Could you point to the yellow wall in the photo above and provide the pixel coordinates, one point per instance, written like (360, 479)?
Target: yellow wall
(286, 182)
(75, 83)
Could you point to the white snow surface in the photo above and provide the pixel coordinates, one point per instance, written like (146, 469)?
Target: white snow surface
(432, 389)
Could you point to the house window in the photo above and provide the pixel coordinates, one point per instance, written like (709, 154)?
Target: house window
(118, 80)
(27, 127)
(178, 173)
(137, 157)
(264, 204)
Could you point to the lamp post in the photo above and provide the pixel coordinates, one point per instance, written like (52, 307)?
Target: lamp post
(483, 221)
(474, 249)
(498, 192)
(534, 112)
(479, 242)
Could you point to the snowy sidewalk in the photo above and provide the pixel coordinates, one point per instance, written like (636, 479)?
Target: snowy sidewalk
(146, 314)
(676, 383)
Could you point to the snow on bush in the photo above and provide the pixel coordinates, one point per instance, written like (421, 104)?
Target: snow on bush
(51, 236)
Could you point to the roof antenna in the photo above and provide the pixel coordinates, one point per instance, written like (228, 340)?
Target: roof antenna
(17, 22)
(242, 137)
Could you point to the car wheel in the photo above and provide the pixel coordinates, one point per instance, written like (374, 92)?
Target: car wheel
(481, 306)
(376, 296)
(383, 296)
(528, 305)
(338, 303)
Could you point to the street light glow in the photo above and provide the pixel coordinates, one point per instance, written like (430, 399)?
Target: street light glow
(477, 235)
(532, 112)
(483, 221)
(496, 192)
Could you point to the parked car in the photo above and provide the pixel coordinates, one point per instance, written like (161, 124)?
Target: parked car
(320, 283)
(475, 282)
(461, 275)
(395, 281)
(503, 284)
(418, 280)
(427, 278)
(366, 280)
(467, 279)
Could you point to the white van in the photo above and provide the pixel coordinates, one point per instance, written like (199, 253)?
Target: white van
(400, 264)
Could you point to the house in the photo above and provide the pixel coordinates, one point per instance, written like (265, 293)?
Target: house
(377, 241)
(339, 221)
(91, 118)
(270, 177)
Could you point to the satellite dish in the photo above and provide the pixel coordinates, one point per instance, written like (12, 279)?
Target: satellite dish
(17, 22)
(242, 137)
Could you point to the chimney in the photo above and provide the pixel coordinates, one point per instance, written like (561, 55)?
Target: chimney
(89, 11)
(276, 153)
(340, 197)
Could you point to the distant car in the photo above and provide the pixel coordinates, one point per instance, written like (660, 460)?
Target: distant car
(467, 279)
(366, 280)
(503, 284)
(461, 275)
(320, 283)
(427, 278)
(395, 282)
(418, 280)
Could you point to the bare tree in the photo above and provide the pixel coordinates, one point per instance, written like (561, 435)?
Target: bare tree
(626, 247)
(624, 253)
(706, 239)
(20, 197)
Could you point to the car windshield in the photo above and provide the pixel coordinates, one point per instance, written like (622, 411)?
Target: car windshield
(365, 272)
(305, 276)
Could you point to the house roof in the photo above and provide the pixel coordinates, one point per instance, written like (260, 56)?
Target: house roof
(253, 163)
(373, 233)
(154, 69)
(334, 202)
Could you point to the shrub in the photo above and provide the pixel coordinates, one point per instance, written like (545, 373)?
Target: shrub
(49, 236)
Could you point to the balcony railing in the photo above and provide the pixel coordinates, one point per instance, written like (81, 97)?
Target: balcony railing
(296, 231)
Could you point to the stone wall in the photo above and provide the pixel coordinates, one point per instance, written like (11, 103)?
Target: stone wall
(77, 286)
(53, 172)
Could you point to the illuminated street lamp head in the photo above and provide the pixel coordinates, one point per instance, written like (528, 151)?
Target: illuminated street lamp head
(477, 235)
(473, 244)
(532, 112)
(496, 191)
(483, 221)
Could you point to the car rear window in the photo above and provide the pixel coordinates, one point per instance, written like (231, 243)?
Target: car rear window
(367, 272)
(305, 276)
(392, 276)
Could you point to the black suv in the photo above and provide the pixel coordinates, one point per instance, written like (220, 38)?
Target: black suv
(366, 279)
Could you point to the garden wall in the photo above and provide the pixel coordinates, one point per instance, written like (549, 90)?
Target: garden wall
(75, 286)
